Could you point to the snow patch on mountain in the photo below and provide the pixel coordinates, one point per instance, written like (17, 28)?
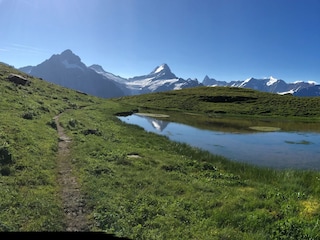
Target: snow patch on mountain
(158, 83)
(245, 81)
(287, 92)
(150, 83)
(178, 86)
(98, 69)
(312, 82)
(159, 69)
(271, 81)
(139, 84)
(71, 65)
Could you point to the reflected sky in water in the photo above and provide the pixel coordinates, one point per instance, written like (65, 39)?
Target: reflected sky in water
(297, 150)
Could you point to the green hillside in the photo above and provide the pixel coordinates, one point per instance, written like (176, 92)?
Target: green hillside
(28, 147)
(140, 185)
(233, 109)
(228, 101)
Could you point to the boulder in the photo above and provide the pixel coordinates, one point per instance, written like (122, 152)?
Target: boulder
(18, 80)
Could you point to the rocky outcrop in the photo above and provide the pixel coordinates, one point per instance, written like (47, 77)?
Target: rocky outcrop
(18, 79)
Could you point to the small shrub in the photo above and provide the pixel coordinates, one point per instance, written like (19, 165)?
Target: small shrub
(73, 123)
(5, 171)
(5, 156)
(208, 166)
(44, 109)
(52, 124)
(29, 115)
(73, 106)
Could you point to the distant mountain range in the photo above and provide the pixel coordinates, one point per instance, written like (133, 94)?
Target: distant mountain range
(271, 85)
(67, 70)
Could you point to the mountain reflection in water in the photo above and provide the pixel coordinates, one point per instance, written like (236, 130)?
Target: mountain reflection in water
(279, 149)
(157, 124)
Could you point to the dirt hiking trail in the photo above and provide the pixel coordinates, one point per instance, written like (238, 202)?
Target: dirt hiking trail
(73, 201)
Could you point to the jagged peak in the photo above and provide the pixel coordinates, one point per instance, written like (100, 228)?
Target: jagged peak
(161, 68)
(67, 52)
(272, 81)
(69, 56)
(206, 78)
(68, 59)
(162, 72)
(249, 79)
(97, 68)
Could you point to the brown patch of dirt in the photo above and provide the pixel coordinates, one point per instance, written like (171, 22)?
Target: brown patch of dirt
(73, 202)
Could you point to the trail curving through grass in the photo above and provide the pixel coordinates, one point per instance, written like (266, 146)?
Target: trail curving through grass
(73, 201)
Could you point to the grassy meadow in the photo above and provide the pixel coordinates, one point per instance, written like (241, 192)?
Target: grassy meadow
(140, 185)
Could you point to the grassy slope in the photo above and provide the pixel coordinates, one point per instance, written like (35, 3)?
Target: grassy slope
(28, 146)
(138, 184)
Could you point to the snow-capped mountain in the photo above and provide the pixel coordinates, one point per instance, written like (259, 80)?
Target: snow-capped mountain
(120, 82)
(160, 79)
(67, 70)
(99, 69)
(270, 84)
(266, 85)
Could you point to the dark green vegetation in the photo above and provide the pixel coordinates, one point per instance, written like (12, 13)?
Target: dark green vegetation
(138, 184)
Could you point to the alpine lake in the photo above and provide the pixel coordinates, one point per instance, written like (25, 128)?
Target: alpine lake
(277, 144)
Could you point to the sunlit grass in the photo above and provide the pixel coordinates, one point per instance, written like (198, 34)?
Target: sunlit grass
(173, 190)
(167, 190)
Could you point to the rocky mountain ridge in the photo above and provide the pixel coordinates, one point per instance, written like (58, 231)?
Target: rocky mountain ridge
(67, 69)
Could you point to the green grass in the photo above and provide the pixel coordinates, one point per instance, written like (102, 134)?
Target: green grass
(28, 147)
(174, 191)
(138, 184)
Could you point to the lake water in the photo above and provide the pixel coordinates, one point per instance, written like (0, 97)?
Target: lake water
(278, 149)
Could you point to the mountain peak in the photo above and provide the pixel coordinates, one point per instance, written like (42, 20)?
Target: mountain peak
(67, 52)
(97, 68)
(163, 72)
(162, 68)
(70, 56)
(206, 78)
(271, 81)
(69, 60)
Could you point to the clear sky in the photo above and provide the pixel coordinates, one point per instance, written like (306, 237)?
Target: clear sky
(224, 39)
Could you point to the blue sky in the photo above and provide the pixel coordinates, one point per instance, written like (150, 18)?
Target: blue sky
(224, 39)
